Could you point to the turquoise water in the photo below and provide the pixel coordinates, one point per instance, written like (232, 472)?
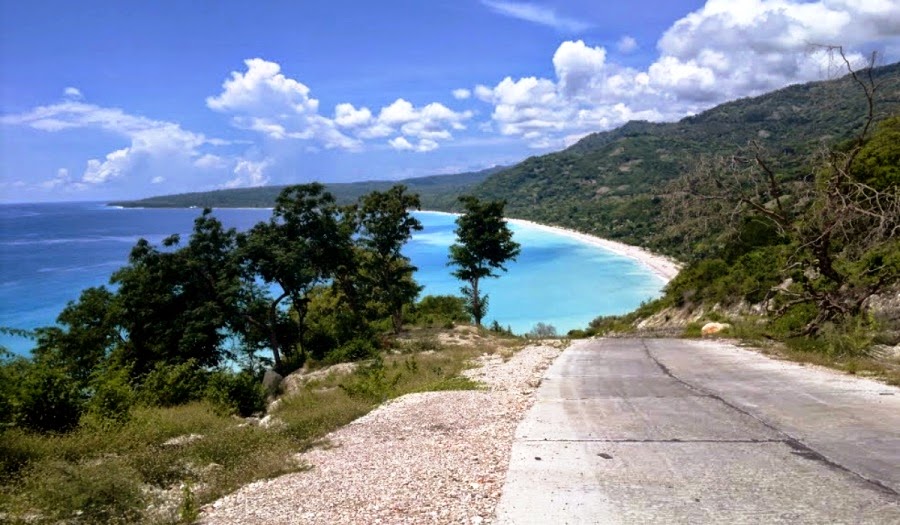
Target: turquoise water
(50, 252)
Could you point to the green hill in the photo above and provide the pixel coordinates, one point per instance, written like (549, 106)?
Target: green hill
(609, 183)
(436, 192)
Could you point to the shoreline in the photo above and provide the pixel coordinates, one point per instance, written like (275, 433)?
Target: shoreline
(661, 266)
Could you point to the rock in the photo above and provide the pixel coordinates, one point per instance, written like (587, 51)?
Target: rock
(271, 422)
(271, 381)
(713, 328)
(182, 440)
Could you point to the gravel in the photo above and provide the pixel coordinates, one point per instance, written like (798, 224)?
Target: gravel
(434, 457)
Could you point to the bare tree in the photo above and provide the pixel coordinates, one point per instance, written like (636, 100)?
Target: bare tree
(843, 231)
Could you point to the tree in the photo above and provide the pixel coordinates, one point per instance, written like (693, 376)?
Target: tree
(386, 224)
(180, 304)
(840, 224)
(303, 245)
(484, 245)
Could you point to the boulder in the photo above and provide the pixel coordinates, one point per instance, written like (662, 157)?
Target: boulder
(713, 328)
(271, 381)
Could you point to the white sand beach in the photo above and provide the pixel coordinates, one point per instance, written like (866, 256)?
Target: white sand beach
(664, 267)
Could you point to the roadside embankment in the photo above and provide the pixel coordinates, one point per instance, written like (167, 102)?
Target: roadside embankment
(434, 457)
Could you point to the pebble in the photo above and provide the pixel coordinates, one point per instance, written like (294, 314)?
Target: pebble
(432, 457)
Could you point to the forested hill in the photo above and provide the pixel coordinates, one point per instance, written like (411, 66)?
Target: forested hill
(437, 192)
(610, 183)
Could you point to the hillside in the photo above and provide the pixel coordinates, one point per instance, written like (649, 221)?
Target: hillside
(609, 183)
(436, 192)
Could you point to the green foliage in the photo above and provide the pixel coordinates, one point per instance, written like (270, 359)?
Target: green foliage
(47, 400)
(878, 161)
(173, 384)
(372, 381)
(484, 245)
(241, 393)
(353, 350)
(113, 396)
(385, 225)
(301, 247)
(104, 491)
(440, 310)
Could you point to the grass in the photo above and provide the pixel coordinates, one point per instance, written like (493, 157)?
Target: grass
(127, 474)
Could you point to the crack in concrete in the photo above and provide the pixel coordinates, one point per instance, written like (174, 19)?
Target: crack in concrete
(799, 448)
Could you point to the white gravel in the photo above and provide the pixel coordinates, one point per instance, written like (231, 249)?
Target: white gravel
(435, 457)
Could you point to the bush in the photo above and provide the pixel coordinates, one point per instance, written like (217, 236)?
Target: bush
(353, 350)
(47, 400)
(542, 331)
(169, 385)
(241, 392)
(113, 397)
(101, 492)
(441, 310)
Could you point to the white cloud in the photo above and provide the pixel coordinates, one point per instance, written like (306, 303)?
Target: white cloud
(71, 92)
(724, 50)
(461, 94)
(423, 146)
(150, 140)
(264, 100)
(158, 180)
(400, 143)
(210, 161)
(62, 180)
(262, 90)
(248, 173)
(626, 44)
(578, 67)
(345, 115)
(537, 14)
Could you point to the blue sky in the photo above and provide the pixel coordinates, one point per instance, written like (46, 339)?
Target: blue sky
(102, 100)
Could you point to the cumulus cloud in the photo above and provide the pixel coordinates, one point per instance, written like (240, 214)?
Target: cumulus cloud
(248, 173)
(724, 50)
(71, 92)
(461, 94)
(149, 139)
(264, 100)
(537, 14)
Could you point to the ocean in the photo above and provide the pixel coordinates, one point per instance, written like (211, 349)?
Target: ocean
(50, 252)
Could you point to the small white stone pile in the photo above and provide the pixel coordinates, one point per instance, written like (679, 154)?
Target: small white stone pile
(435, 457)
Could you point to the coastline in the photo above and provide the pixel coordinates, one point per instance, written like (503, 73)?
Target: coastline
(663, 267)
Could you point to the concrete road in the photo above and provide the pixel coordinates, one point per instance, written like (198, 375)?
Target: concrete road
(670, 431)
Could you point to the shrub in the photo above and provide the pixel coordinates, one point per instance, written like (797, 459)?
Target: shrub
(353, 350)
(170, 385)
(48, 400)
(241, 392)
(104, 491)
(440, 309)
(113, 397)
(542, 331)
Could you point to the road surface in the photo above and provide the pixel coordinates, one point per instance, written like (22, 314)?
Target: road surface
(671, 431)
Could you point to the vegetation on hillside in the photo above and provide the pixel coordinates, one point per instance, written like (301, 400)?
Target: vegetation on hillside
(436, 192)
(126, 404)
(797, 254)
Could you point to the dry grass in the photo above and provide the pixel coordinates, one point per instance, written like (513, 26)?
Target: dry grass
(127, 474)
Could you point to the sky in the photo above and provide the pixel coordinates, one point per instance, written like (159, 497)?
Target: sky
(107, 100)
